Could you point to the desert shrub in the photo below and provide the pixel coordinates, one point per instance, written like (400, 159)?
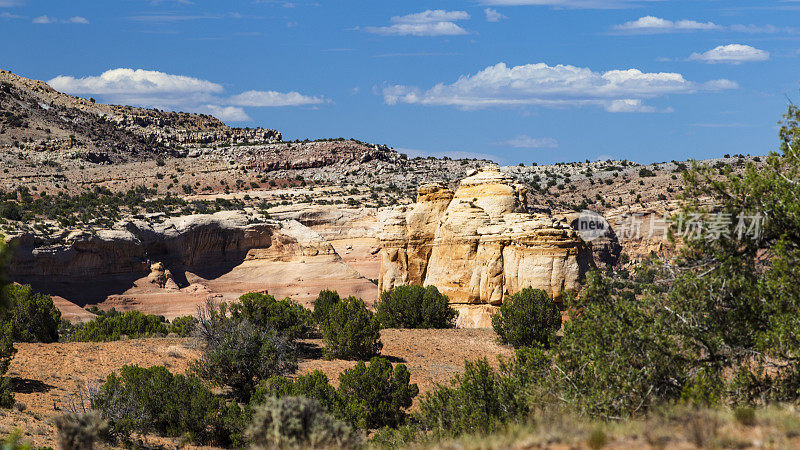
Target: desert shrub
(33, 315)
(479, 400)
(153, 400)
(377, 394)
(351, 331)
(183, 326)
(325, 300)
(80, 431)
(526, 318)
(645, 173)
(262, 310)
(597, 439)
(415, 307)
(239, 354)
(133, 324)
(314, 385)
(745, 415)
(298, 422)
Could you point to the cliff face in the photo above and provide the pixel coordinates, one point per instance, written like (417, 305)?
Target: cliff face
(90, 267)
(478, 245)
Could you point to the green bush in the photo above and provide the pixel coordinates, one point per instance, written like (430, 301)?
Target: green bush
(262, 310)
(80, 431)
(377, 394)
(111, 327)
(325, 300)
(239, 354)
(298, 422)
(527, 318)
(33, 315)
(153, 400)
(479, 400)
(415, 307)
(351, 331)
(183, 326)
(313, 385)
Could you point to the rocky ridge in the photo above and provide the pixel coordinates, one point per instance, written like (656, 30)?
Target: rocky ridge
(36, 117)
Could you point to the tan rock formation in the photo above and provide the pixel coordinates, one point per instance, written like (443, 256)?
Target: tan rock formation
(168, 268)
(478, 245)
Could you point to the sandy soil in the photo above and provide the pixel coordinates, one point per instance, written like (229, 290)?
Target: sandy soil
(47, 376)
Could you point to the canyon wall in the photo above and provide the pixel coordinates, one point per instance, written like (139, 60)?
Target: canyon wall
(168, 268)
(478, 245)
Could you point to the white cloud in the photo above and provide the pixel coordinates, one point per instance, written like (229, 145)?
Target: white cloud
(150, 87)
(161, 90)
(419, 29)
(431, 16)
(551, 86)
(651, 24)
(227, 113)
(628, 106)
(47, 20)
(731, 54)
(436, 22)
(272, 98)
(493, 16)
(525, 141)
(573, 4)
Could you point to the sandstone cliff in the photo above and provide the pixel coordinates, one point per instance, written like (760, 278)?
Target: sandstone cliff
(478, 245)
(169, 268)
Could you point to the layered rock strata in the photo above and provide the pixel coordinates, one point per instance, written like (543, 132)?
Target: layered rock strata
(168, 267)
(479, 245)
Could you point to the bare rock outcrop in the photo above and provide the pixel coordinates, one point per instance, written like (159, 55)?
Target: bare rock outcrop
(208, 245)
(478, 245)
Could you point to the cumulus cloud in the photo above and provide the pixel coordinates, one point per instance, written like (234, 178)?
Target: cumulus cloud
(628, 106)
(273, 98)
(493, 16)
(731, 54)
(552, 86)
(436, 22)
(651, 24)
(150, 88)
(431, 16)
(525, 141)
(144, 87)
(47, 20)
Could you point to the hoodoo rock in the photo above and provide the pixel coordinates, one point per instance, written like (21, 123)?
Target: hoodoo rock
(478, 245)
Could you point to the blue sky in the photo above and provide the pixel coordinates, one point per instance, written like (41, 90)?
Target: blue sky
(514, 80)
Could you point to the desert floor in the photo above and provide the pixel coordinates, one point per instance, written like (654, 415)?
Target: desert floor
(49, 378)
